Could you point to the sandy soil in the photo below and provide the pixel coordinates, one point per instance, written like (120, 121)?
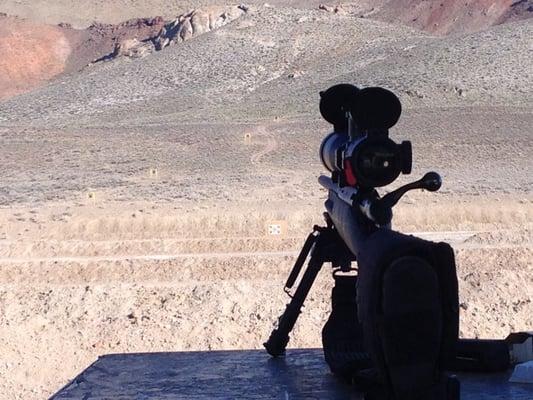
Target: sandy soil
(78, 281)
(121, 243)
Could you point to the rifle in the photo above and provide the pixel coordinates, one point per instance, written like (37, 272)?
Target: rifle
(404, 286)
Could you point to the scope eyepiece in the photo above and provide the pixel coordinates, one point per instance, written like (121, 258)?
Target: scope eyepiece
(373, 161)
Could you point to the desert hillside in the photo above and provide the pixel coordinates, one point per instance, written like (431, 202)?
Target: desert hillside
(58, 37)
(277, 65)
(148, 146)
(439, 16)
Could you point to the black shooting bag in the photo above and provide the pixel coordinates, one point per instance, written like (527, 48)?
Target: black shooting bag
(342, 335)
(407, 301)
(394, 327)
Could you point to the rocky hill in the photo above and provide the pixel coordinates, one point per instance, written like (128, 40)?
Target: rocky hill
(271, 62)
(186, 26)
(440, 17)
(34, 52)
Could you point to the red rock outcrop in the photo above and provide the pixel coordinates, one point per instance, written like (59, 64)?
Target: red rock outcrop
(440, 17)
(449, 16)
(99, 41)
(31, 54)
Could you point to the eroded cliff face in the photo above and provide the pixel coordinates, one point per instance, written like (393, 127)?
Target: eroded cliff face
(184, 27)
(99, 40)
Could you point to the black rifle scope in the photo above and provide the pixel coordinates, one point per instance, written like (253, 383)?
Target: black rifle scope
(359, 151)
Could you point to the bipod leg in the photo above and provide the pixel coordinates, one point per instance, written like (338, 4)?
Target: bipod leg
(308, 245)
(279, 338)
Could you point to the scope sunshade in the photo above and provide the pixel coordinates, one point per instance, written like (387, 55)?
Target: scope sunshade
(376, 108)
(335, 102)
(372, 108)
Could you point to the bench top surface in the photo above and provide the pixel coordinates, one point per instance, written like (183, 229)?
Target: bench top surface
(243, 374)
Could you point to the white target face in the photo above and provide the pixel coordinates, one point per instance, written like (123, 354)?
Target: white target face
(274, 229)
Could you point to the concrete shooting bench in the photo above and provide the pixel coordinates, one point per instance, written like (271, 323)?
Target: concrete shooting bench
(245, 374)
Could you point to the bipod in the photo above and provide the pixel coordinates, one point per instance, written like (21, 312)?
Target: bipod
(322, 245)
